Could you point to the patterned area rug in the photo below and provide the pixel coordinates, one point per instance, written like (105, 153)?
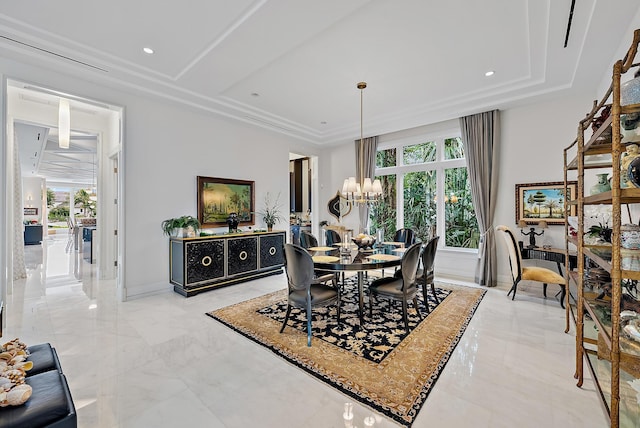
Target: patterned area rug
(377, 364)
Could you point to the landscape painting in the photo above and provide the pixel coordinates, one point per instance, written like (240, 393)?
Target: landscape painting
(219, 197)
(544, 201)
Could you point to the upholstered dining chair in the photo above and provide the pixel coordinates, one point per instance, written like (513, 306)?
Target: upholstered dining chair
(407, 236)
(305, 292)
(307, 240)
(425, 274)
(400, 289)
(332, 237)
(529, 273)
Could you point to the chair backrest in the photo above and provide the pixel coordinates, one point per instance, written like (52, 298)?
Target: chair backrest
(407, 236)
(307, 240)
(409, 265)
(429, 254)
(332, 237)
(298, 265)
(515, 258)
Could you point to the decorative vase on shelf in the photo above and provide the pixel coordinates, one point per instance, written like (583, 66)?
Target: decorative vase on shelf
(630, 123)
(602, 185)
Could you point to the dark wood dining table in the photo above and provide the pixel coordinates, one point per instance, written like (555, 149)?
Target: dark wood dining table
(347, 258)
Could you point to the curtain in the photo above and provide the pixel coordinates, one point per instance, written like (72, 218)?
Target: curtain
(19, 267)
(365, 167)
(480, 139)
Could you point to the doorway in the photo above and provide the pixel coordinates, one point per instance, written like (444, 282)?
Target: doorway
(35, 106)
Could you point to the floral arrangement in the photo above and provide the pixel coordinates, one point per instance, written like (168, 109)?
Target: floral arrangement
(271, 213)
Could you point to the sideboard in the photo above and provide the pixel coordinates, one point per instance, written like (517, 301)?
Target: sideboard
(206, 262)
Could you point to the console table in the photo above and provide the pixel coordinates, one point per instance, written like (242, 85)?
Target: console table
(549, 254)
(206, 262)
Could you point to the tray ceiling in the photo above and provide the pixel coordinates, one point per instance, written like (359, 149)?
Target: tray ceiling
(292, 66)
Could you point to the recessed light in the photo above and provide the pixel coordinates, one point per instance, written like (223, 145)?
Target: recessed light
(255, 94)
(147, 50)
(489, 73)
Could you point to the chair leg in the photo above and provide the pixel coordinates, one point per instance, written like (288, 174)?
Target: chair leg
(370, 305)
(338, 305)
(415, 304)
(514, 288)
(286, 318)
(309, 322)
(426, 298)
(563, 290)
(433, 290)
(404, 315)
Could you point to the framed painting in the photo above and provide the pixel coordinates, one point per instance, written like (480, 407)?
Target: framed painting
(544, 201)
(219, 197)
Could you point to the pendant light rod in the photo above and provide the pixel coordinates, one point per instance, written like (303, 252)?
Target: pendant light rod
(362, 191)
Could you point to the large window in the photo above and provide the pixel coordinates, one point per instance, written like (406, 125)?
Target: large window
(426, 188)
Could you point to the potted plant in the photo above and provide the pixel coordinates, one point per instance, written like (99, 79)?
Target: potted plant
(179, 226)
(271, 213)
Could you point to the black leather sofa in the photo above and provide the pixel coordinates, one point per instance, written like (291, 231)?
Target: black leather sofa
(50, 404)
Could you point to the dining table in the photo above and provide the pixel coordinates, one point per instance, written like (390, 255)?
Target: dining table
(346, 257)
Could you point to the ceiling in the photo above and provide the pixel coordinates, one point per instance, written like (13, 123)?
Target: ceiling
(291, 66)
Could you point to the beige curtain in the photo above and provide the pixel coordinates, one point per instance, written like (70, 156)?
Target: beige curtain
(481, 138)
(19, 267)
(365, 167)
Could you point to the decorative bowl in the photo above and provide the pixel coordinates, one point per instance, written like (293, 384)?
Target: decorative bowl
(364, 242)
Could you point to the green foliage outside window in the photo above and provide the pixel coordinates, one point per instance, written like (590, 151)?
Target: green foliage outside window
(383, 214)
(386, 158)
(82, 199)
(461, 226)
(419, 206)
(419, 194)
(419, 153)
(51, 197)
(453, 148)
(59, 213)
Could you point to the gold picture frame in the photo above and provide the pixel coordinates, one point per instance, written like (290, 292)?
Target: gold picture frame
(544, 201)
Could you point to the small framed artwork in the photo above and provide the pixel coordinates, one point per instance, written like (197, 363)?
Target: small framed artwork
(219, 197)
(544, 201)
(30, 211)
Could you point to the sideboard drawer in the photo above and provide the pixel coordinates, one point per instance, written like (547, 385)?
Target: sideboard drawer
(271, 251)
(243, 255)
(205, 261)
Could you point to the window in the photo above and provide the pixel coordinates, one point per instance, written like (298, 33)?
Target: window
(426, 188)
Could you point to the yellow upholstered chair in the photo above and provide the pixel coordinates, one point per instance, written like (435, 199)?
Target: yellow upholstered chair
(529, 273)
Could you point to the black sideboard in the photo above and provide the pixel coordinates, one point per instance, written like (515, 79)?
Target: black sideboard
(203, 263)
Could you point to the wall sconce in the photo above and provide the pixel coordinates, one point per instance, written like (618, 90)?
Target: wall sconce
(532, 231)
(29, 201)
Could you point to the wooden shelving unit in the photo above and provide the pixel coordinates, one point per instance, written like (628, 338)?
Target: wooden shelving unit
(611, 357)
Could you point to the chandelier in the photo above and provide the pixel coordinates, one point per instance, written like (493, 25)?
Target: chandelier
(370, 191)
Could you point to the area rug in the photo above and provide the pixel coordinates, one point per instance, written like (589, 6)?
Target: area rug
(377, 364)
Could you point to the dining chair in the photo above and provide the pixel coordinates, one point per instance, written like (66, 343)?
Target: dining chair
(529, 273)
(425, 275)
(307, 240)
(407, 236)
(304, 291)
(400, 289)
(332, 237)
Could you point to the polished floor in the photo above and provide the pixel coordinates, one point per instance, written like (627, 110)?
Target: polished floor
(159, 361)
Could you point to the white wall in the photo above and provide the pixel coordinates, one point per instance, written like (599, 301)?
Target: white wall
(32, 187)
(533, 140)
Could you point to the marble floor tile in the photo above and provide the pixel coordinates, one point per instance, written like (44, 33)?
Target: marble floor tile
(159, 361)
